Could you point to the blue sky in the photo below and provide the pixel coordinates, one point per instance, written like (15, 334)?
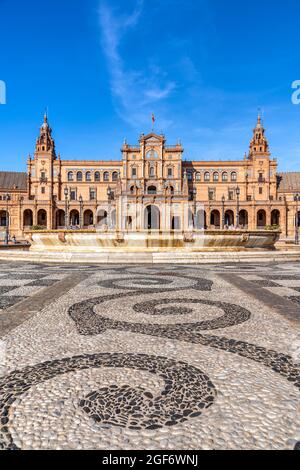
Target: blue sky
(102, 67)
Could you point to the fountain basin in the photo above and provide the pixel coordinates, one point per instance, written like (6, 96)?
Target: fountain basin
(93, 241)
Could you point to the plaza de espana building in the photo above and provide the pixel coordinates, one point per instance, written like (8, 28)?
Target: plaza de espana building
(151, 187)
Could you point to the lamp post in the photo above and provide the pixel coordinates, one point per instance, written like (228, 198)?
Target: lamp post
(238, 192)
(297, 200)
(81, 211)
(109, 196)
(66, 192)
(7, 198)
(223, 212)
(195, 207)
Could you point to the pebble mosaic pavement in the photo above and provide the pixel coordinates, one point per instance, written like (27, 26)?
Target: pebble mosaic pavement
(150, 357)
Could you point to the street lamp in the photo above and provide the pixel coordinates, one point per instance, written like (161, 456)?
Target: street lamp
(223, 212)
(81, 210)
(238, 193)
(7, 198)
(195, 206)
(297, 200)
(109, 196)
(66, 192)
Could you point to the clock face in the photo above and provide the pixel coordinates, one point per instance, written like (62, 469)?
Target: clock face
(152, 154)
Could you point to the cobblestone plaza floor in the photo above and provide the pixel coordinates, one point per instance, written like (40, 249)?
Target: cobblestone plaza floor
(150, 357)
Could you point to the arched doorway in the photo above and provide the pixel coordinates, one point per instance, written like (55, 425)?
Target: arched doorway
(152, 218)
(27, 218)
(215, 219)
(3, 218)
(229, 218)
(88, 218)
(60, 219)
(275, 217)
(261, 219)
(243, 218)
(102, 218)
(42, 218)
(74, 217)
(201, 222)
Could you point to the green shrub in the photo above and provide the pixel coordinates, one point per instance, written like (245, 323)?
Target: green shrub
(38, 227)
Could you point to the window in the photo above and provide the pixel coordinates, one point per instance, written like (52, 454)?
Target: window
(152, 172)
(249, 198)
(225, 176)
(97, 176)
(206, 176)
(216, 176)
(43, 175)
(190, 175)
(230, 195)
(43, 190)
(170, 172)
(233, 176)
(133, 172)
(115, 176)
(93, 194)
(70, 176)
(260, 178)
(73, 196)
(152, 190)
(106, 176)
(198, 176)
(88, 176)
(260, 190)
(152, 154)
(79, 176)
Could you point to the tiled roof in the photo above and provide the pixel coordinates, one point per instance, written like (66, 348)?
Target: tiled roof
(13, 180)
(289, 181)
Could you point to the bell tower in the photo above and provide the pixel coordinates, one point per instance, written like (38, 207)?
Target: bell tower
(41, 174)
(259, 145)
(45, 145)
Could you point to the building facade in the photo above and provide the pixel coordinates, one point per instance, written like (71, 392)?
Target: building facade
(150, 188)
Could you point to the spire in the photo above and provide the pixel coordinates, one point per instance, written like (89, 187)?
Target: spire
(259, 144)
(45, 143)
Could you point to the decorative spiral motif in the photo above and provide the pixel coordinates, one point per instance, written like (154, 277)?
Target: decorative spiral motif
(163, 282)
(187, 393)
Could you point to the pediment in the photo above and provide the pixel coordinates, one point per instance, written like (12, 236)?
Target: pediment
(153, 139)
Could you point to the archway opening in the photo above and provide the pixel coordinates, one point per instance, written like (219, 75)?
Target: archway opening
(152, 218)
(215, 219)
(27, 218)
(88, 218)
(275, 217)
(42, 218)
(60, 219)
(243, 218)
(261, 219)
(229, 218)
(4, 216)
(74, 218)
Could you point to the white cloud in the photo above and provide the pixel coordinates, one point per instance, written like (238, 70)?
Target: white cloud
(136, 93)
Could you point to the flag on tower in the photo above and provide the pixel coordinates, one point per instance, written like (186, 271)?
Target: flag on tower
(153, 118)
